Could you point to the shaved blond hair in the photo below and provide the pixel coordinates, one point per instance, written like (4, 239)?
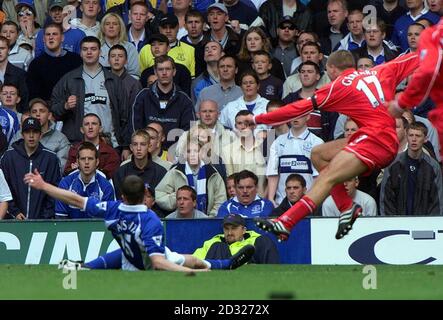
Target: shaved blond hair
(341, 59)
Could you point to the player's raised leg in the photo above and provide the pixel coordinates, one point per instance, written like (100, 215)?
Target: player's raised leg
(343, 166)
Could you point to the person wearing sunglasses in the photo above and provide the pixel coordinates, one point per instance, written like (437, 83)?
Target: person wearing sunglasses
(26, 17)
(273, 11)
(285, 50)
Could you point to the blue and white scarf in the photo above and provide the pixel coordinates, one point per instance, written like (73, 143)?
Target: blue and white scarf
(202, 197)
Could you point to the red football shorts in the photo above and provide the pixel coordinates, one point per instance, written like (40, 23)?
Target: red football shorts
(375, 147)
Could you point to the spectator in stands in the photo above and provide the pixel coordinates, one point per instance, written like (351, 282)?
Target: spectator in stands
(81, 91)
(91, 128)
(291, 153)
(245, 152)
(270, 87)
(163, 102)
(273, 12)
(5, 195)
(250, 100)
(235, 236)
(10, 97)
(27, 20)
(50, 138)
(356, 37)
(414, 31)
(389, 11)
(337, 13)
(320, 122)
(86, 182)
(192, 171)
(375, 48)
(10, 7)
(180, 8)
(226, 91)
(18, 56)
(435, 6)
(247, 202)
(159, 45)
(47, 69)
(71, 36)
(218, 18)
(295, 188)
(368, 204)
(285, 50)
(180, 51)
(412, 184)
(213, 52)
(303, 38)
(24, 156)
(401, 125)
(141, 163)
(12, 75)
(138, 29)
(194, 24)
(112, 32)
(186, 205)
(417, 10)
(161, 152)
(9, 121)
(88, 22)
(155, 145)
(310, 52)
(241, 12)
(118, 58)
(219, 136)
(230, 186)
(253, 41)
(432, 145)
(365, 63)
(277, 129)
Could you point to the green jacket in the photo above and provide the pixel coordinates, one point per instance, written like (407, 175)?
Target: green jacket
(217, 248)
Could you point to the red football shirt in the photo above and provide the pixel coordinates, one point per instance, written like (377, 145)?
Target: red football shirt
(360, 95)
(428, 78)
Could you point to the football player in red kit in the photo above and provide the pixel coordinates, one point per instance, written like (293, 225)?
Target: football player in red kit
(427, 80)
(360, 95)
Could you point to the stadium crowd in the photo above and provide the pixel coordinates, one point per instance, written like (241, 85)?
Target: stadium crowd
(93, 91)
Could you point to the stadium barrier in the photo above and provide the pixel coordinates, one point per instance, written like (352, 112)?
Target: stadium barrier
(374, 240)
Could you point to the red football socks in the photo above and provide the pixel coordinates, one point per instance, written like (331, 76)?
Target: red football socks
(342, 200)
(298, 211)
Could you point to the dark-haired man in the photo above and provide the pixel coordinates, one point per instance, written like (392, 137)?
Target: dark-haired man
(23, 156)
(91, 89)
(46, 70)
(164, 102)
(86, 182)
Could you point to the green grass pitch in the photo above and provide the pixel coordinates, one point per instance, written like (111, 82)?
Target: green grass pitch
(254, 282)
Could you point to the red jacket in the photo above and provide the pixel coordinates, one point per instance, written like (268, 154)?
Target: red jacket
(109, 159)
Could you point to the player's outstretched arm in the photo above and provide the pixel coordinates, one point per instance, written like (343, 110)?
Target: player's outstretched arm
(161, 263)
(285, 113)
(36, 181)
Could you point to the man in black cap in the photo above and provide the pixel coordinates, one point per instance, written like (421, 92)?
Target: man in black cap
(24, 156)
(159, 45)
(181, 52)
(234, 237)
(285, 50)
